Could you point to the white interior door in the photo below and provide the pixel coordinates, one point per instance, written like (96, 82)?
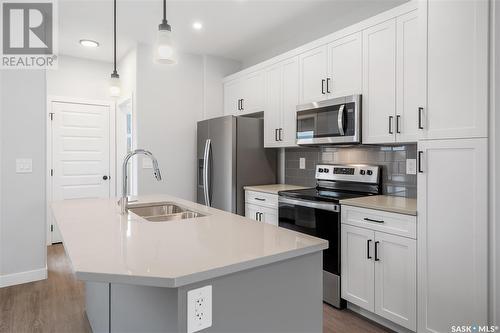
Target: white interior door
(80, 153)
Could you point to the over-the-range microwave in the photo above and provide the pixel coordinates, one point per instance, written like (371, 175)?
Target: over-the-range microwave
(333, 121)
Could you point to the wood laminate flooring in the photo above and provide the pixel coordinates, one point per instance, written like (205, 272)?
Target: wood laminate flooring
(57, 305)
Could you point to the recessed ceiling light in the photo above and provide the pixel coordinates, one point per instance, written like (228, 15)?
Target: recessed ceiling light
(89, 43)
(197, 25)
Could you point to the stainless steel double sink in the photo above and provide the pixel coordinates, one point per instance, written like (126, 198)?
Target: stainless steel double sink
(162, 211)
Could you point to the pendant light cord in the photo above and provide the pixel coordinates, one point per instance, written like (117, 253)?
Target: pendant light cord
(114, 37)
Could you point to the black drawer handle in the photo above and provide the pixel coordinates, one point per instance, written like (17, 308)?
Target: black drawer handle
(372, 220)
(420, 110)
(323, 86)
(368, 256)
(260, 199)
(420, 153)
(376, 251)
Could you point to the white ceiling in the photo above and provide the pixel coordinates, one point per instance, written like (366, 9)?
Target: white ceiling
(244, 30)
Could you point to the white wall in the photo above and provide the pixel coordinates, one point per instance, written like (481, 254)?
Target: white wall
(215, 69)
(22, 205)
(81, 78)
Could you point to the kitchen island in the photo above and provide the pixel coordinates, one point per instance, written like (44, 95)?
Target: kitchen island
(138, 273)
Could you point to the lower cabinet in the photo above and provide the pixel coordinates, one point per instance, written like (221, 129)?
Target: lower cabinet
(379, 273)
(262, 207)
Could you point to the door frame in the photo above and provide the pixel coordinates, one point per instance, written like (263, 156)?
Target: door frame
(112, 148)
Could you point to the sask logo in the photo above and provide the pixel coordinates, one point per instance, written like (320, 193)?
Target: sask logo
(28, 34)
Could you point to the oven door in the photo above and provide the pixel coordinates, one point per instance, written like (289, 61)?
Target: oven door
(320, 220)
(328, 122)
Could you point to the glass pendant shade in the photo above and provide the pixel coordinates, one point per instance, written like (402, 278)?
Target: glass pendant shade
(114, 86)
(164, 48)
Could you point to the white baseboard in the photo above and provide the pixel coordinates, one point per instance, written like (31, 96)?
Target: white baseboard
(376, 318)
(23, 277)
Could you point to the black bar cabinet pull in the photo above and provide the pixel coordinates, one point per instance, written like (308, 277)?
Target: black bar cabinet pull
(368, 256)
(323, 86)
(398, 118)
(328, 85)
(420, 153)
(242, 107)
(420, 110)
(260, 199)
(376, 251)
(372, 220)
(275, 134)
(279, 134)
(390, 125)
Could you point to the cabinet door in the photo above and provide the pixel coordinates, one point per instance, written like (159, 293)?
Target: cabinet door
(457, 69)
(409, 69)
(273, 105)
(357, 277)
(379, 83)
(313, 66)
(251, 211)
(232, 95)
(396, 279)
(345, 61)
(253, 93)
(269, 215)
(290, 95)
(452, 234)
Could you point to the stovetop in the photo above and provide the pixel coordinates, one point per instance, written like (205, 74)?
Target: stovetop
(319, 194)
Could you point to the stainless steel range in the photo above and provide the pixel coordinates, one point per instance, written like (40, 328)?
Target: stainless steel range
(316, 211)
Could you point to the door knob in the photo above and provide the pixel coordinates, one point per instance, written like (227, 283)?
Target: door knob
(105, 177)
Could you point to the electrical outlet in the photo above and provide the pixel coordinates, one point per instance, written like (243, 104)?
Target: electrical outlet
(302, 163)
(199, 309)
(411, 166)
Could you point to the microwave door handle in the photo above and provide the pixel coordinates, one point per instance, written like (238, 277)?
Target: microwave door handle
(340, 120)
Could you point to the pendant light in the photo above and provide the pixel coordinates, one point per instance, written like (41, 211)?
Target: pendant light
(164, 48)
(114, 82)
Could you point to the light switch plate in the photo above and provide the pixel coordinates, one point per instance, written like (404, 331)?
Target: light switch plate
(199, 309)
(411, 166)
(302, 163)
(24, 165)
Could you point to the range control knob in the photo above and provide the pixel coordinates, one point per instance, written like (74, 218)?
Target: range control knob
(326, 170)
(362, 172)
(320, 170)
(369, 172)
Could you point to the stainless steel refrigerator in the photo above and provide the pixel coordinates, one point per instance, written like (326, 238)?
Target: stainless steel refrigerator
(231, 155)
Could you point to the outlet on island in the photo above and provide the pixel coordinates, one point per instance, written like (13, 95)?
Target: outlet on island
(199, 309)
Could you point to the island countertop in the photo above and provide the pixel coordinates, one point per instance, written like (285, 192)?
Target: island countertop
(108, 247)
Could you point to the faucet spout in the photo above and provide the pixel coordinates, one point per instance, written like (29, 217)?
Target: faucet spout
(156, 173)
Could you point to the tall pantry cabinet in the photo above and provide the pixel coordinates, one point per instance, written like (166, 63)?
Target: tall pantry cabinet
(452, 166)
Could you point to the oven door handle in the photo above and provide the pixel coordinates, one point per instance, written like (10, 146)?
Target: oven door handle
(310, 204)
(340, 120)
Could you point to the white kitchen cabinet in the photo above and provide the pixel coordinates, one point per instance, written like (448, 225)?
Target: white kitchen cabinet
(379, 269)
(233, 90)
(244, 95)
(281, 99)
(345, 66)
(262, 207)
(357, 281)
(396, 279)
(313, 67)
(452, 233)
(456, 89)
(379, 83)
(408, 70)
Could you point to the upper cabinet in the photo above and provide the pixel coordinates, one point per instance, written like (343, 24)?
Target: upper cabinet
(379, 83)
(456, 86)
(331, 70)
(244, 95)
(345, 66)
(281, 99)
(313, 66)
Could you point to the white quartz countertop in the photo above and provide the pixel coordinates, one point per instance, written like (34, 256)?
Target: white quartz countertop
(386, 203)
(108, 247)
(272, 188)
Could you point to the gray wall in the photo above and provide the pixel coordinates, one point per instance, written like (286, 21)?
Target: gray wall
(22, 135)
(392, 159)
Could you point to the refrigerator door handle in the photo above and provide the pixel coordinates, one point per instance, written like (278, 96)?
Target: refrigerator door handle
(206, 158)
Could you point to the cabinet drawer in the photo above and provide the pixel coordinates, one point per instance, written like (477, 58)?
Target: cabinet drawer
(261, 199)
(392, 223)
